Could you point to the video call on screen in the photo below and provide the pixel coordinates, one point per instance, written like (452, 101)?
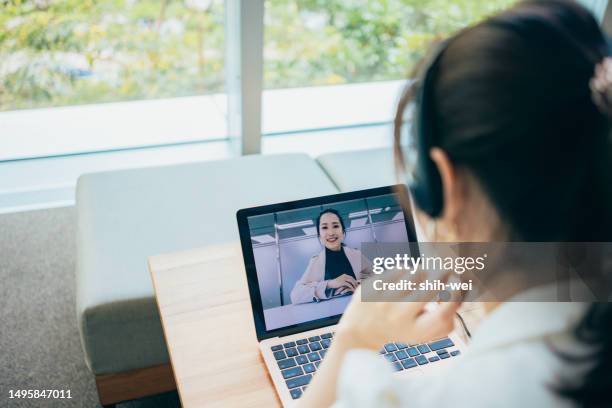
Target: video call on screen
(290, 261)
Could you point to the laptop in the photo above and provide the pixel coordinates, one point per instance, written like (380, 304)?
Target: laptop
(281, 247)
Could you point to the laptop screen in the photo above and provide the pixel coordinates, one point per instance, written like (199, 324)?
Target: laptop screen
(308, 258)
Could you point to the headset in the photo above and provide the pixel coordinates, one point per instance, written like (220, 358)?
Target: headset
(426, 184)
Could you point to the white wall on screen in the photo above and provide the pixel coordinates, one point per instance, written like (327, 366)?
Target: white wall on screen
(267, 274)
(391, 232)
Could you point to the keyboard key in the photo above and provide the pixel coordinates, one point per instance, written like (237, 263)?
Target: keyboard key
(317, 364)
(440, 344)
(423, 348)
(314, 338)
(295, 393)
(382, 351)
(397, 366)
(323, 353)
(326, 336)
(443, 351)
(315, 346)
(433, 359)
(421, 360)
(401, 355)
(276, 348)
(314, 357)
(443, 356)
(291, 352)
(302, 341)
(301, 360)
(292, 372)
(290, 362)
(455, 353)
(303, 349)
(401, 345)
(412, 351)
(390, 347)
(279, 355)
(409, 363)
(390, 357)
(309, 368)
(290, 344)
(326, 343)
(298, 381)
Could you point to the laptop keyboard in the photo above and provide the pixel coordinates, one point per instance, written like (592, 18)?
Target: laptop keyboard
(299, 360)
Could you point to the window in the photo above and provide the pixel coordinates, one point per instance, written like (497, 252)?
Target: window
(109, 76)
(330, 42)
(328, 65)
(72, 52)
(341, 65)
(105, 75)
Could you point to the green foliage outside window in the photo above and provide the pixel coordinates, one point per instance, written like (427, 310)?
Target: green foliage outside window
(318, 42)
(68, 52)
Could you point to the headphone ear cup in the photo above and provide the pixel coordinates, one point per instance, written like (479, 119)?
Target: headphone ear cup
(426, 189)
(426, 186)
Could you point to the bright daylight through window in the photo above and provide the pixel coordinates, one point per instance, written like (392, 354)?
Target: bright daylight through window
(104, 58)
(330, 42)
(72, 52)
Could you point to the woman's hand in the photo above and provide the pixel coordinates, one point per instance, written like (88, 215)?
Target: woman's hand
(373, 324)
(342, 281)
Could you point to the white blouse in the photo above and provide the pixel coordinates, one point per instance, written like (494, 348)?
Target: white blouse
(509, 363)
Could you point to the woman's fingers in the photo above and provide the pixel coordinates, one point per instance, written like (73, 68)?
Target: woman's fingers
(342, 290)
(438, 322)
(349, 280)
(342, 280)
(347, 286)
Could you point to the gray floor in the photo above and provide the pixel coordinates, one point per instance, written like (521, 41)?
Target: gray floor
(39, 340)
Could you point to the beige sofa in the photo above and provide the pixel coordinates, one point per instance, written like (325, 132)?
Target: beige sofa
(126, 216)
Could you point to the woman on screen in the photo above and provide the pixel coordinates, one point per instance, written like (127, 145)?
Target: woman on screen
(512, 131)
(334, 271)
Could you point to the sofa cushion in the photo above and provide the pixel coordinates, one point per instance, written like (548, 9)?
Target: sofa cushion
(360, 169)
(126, 216)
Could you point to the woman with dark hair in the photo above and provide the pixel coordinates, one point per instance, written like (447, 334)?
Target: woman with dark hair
(336, 270)
(512, 140)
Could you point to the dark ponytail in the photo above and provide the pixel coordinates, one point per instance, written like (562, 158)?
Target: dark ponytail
(513, 106)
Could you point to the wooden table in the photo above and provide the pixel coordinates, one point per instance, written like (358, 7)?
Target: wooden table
(206, 314)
